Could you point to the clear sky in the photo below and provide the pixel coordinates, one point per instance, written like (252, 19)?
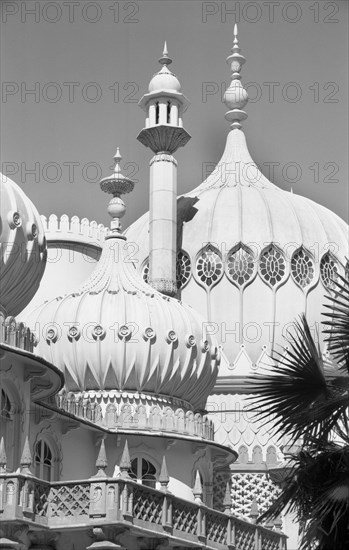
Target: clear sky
(90, 62)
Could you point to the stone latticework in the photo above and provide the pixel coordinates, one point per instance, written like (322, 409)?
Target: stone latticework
(250, 486)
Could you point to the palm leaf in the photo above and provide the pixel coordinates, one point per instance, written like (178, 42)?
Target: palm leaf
(338, 322)
(317, 490)
(302, 396)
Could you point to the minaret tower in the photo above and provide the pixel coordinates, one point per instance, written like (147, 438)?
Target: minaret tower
(163, 134)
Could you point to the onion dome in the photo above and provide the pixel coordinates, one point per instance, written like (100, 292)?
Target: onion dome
(164, 80)
(252, 257)
(23, 248)
(116, 333)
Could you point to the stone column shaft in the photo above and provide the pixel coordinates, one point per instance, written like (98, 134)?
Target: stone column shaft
(163, 223)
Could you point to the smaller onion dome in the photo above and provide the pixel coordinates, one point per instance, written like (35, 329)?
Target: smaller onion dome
(117, 333)
(164, 80)
(23, 248)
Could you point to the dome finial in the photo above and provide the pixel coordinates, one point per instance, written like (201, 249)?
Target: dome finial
(235, 96)
(116, 184)
(165, 59)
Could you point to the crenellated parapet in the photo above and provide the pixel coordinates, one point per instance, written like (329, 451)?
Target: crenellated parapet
(16, 334)
(73, 230)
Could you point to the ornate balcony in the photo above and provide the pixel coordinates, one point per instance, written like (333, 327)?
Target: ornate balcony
(103, 503)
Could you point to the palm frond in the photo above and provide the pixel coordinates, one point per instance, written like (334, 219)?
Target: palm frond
(317, 490)
(301, 395)
(338, 322)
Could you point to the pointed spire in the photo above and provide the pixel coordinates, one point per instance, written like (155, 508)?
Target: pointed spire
(26, 458)
(227, 502)
(235, 96)
(165, 59)
(116, 184)
(125, 462)
(3, 457)
(101, 462)
(254, 512)
(197, 490)
(164, 477)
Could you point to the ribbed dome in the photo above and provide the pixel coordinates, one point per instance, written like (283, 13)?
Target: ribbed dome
(23, 248)
(116, 332)
(251, 254)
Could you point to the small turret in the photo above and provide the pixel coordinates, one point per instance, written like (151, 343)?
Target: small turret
(163, 134)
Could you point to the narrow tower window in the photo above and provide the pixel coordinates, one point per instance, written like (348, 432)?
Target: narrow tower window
(168, 112)
(157, 112)
(43, 461)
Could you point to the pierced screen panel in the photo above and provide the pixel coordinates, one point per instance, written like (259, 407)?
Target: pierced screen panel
(240, 265)
(183, 268)
(328, 271)
(302, 268)
(209, 267)
(272, 266)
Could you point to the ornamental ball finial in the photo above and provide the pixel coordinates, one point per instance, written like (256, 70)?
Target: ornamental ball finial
(116, 184)
(235, 96)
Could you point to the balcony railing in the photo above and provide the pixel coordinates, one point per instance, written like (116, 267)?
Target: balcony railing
(109, 501)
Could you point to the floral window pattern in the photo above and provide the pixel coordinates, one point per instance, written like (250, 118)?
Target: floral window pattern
(328, 271)
(302, 268)
(143, 471)
(272, 266)
(209, 267)
(183, 268)
(240, 265)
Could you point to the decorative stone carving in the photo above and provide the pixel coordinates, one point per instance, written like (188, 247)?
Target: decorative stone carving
(137, 411)
(164, 138)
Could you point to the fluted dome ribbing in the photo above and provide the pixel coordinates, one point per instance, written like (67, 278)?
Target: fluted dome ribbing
(255, 256)
(23, 248)
(116, 332)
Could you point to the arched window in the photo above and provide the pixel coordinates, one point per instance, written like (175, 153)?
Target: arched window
(302, 268)
(209, 266)
(328, 271)
(143, 471)
(157, 112)
(9, 426)
(183, 268)
(43, 460)
(5, 407)
(272, 266)
(240, 265)
(168, 112)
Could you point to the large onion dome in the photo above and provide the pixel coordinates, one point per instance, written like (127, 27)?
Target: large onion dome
(23, 248)
(251, 257)
(116, 333)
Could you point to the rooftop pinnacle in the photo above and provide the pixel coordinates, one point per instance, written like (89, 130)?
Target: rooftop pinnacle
(235, 96)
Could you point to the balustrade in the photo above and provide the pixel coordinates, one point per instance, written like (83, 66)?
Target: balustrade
(111, 500)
